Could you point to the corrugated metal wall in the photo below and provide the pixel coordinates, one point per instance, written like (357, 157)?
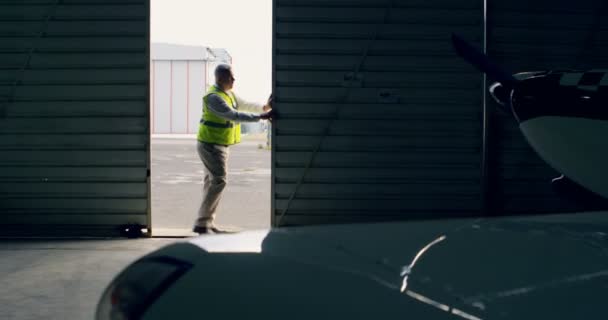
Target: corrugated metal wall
(537, 35)
(397, 124)
(74, 109)
(178, 88)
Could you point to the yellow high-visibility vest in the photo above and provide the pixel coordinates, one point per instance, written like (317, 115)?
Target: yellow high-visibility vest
(213, 129)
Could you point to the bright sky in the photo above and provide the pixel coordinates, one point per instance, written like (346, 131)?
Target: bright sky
(243, 27)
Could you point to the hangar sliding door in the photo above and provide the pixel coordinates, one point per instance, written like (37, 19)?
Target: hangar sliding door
(537, 35)
(378, 118)
(74, 127)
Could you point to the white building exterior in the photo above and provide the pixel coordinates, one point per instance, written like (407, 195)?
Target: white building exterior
(179, 77)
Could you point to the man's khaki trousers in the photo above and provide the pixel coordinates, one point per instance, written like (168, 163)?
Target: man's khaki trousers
(215, 159)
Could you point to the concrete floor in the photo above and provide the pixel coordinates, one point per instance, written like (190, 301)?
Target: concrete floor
(62, 280)
(177, 175)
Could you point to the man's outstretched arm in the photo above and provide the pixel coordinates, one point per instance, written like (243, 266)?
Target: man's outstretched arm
(220, 108)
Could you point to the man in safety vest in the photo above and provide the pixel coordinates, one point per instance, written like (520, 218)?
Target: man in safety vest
(219, 128)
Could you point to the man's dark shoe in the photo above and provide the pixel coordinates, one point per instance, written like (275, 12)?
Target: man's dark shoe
(219, 231)
(203, 230)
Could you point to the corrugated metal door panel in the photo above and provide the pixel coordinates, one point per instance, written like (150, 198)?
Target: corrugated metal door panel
(70, 204)
(73, 28)
(75, 157)
(70, 173)
(538, 35)
(363, 191)
(83, 61)
(195, 94)
(59, 44)
(375, 127)
(89, 76)
(76, 190)
(81, 141)
(179, 97)
(378, 143)
(345, 63)
(349, 159)
(389, 94)
(44, 125)
(20, 109)
(74, 130)
(162, 97)
(61, 92)
(379, 175)
(420, 109)
(406, 141)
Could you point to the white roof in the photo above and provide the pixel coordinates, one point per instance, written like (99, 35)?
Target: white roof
(221, 55)
(167, 51)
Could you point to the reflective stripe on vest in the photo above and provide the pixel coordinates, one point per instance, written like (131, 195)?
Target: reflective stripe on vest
(214, 129)
(217, 125)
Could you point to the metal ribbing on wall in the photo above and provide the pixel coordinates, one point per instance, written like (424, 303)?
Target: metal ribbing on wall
(407, 142)
(74, 141)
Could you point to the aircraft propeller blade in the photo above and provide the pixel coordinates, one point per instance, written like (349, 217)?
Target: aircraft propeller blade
(479, 60)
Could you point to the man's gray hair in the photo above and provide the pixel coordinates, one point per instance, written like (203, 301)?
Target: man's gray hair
(222, 70)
